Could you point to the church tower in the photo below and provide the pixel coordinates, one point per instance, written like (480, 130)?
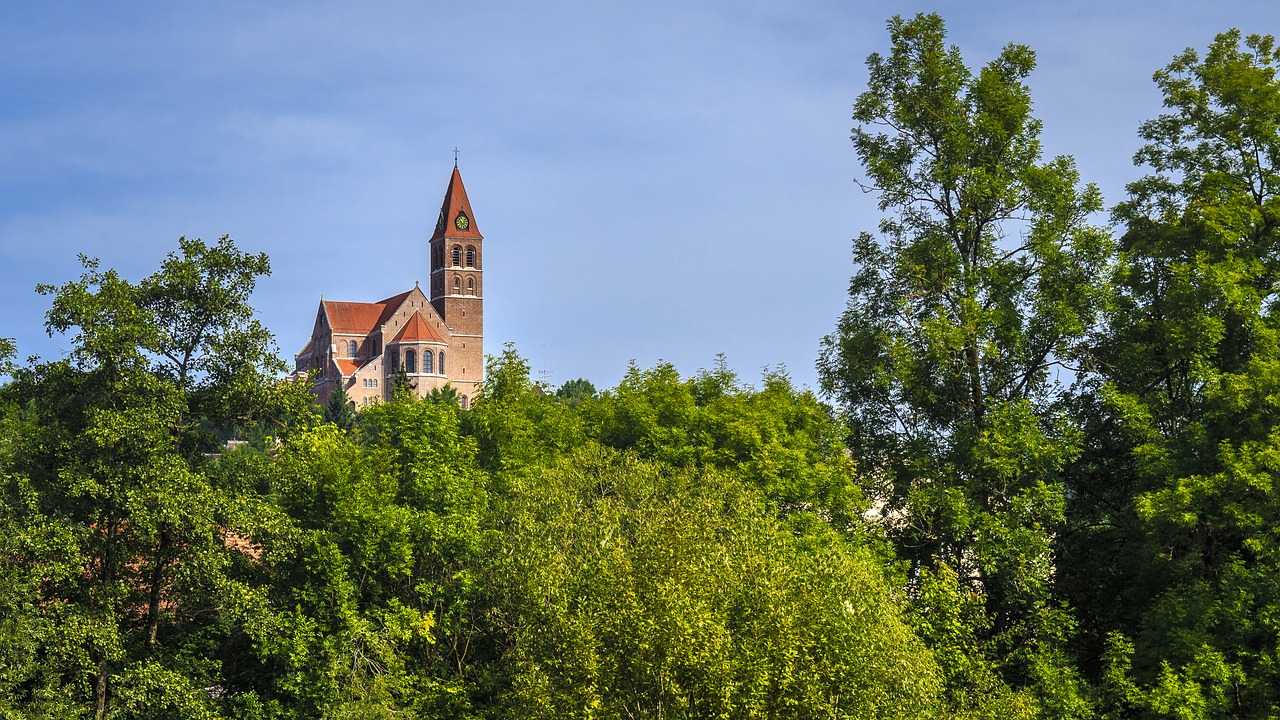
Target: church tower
(457, 287)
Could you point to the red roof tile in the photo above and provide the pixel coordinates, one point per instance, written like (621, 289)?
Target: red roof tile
(390, 306)
(348, 367)
(353, 317)
(418, 330)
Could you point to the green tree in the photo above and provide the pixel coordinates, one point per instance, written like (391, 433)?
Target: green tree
(340, 410)
(8, 350)
(447, 395)
(112, 451)
(631, 589)
(575, 392)
(777, 438)
(368, 604)
(961, 314)
(1180, 487)
(400, 381)
(32, 683)
(514, 421)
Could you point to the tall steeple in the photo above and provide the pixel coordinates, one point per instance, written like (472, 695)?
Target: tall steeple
(457, 290)
(456, 219)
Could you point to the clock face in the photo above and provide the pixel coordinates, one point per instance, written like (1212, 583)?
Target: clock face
(461, 222)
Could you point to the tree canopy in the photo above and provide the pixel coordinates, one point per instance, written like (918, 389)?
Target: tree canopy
(1040, 481)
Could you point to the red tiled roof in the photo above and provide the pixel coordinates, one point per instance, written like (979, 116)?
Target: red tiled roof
(391, 305)
(418, 330)
(348, 367)
(353, 317)
(455, 202)
(306, 350)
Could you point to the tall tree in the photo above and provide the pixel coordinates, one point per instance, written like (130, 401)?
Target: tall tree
(946, 361)
(340, 410)
(1181, 488)
(115, 449)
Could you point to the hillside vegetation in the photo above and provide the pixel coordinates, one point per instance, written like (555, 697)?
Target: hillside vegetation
(1040, 482)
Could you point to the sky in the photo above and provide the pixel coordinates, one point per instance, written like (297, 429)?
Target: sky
(655, 181)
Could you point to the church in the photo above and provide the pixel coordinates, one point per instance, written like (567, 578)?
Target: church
(437, 337)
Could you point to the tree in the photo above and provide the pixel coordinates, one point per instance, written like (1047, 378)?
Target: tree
(366, 603)
(114, 452)
(189, 324)
(779, 439)
(447, 396)
(340, 410)
(400, 382)
(8, 349)
(1180, 489)
(513, 420)
(960, 317)
(574, 392)
(634, 589)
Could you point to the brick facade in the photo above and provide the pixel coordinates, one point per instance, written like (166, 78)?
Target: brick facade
(439, 339)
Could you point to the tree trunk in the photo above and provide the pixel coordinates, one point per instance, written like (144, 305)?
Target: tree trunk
(100, 690)
(972, 361)
(106, 576)
(157, 581)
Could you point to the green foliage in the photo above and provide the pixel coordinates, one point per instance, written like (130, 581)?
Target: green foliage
(447, 395)
(575, 392)
(340, 410)
(982, 285)
(965, 535)
(409, 579)
(513, 420)
(779, 439)
(634, 590)
(1181, 483)
(400, 382)
(8, 350)
(372, 561)
(118, 526)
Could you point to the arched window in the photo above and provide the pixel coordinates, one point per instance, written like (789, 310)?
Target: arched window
(471, 286)
(464, 402)
(457, 285)
(426, 362)
(471, 256)
(395, 359)
(441, 362)
(457, 255)
(410, 362)
(353, 348)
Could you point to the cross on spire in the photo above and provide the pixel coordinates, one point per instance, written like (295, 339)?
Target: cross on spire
(455, 156)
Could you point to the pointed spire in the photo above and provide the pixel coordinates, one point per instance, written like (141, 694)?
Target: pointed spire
(456, 219)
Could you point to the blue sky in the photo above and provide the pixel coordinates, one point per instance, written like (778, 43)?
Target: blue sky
(655, 180)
